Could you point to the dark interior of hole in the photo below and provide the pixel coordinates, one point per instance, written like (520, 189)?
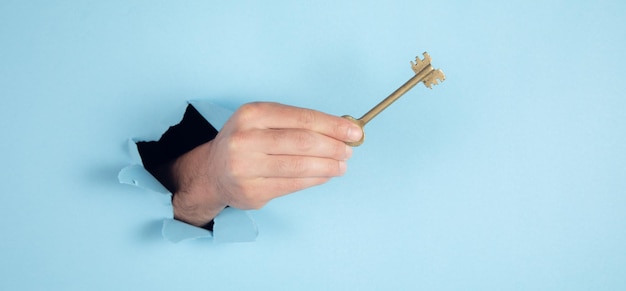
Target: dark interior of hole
(158, 156)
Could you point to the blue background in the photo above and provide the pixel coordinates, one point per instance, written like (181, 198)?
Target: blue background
(511, 175)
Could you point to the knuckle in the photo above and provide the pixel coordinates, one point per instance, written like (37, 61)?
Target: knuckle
(237, 141)
(298, 166)
(307, 116)
(235, 168)
(250, 110)
(295, 166)
(234, 163)
(279, 136)
(303, 140)
(279, 167)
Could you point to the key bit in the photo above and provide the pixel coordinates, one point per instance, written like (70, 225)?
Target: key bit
(434, 78)
(424, 72)
(419, 65)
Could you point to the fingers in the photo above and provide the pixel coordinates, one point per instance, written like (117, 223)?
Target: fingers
(298, 142)
(303, 167)
(278, 116)
(282, 166)
(267, 150)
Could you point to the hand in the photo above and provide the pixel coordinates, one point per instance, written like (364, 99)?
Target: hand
(264, 151)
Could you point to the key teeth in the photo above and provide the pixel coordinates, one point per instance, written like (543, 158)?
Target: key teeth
(434, 78)
(420, 64)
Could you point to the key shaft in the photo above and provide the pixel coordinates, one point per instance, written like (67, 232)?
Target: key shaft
(408, 85)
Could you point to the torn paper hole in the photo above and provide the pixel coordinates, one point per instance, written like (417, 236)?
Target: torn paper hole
(231, 225)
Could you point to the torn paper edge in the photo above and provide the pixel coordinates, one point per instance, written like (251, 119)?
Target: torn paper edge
(231, 225)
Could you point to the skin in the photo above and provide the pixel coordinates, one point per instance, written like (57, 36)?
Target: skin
(264, 151)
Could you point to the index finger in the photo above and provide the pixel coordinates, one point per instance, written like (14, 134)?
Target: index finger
(269, 115)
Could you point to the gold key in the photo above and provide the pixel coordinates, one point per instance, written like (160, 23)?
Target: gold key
(424, 72)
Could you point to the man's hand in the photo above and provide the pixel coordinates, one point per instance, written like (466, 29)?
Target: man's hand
(264, 151)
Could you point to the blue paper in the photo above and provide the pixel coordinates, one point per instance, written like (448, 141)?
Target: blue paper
(510, 175)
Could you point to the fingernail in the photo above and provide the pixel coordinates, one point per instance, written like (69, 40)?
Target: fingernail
(354, 133)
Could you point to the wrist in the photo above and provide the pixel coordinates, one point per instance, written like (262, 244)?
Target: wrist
(198, 214)
(195, 200)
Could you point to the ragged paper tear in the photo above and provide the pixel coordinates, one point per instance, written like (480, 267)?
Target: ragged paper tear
(231, 225)
(176, 231)
(137, 175)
